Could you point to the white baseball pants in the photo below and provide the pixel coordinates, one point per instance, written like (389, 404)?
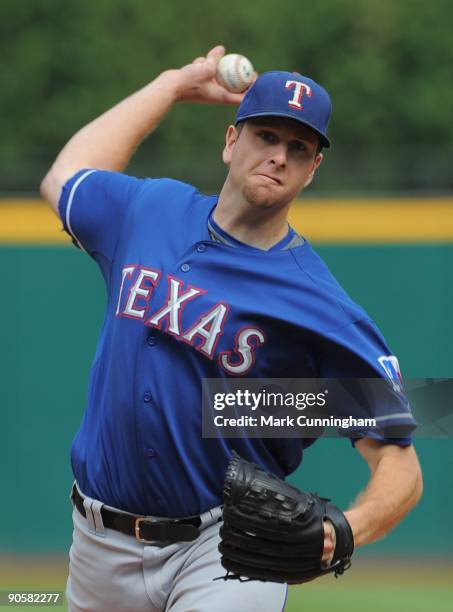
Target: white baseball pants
(113, 572)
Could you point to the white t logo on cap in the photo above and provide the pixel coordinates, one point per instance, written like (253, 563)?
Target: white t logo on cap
(299, 90)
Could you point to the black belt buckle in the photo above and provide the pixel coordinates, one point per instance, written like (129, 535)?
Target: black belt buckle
(148, 531)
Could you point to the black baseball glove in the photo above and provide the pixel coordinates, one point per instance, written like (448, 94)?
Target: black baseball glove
(272, 531)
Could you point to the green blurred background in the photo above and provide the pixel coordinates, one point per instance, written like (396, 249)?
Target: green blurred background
(387, 66)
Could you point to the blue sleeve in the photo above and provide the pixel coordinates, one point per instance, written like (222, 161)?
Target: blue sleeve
(93, 205)
(359, 351)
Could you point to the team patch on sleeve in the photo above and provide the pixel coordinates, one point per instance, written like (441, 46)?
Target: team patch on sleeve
(392, 369)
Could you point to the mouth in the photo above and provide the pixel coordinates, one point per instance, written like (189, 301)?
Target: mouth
(270, 179)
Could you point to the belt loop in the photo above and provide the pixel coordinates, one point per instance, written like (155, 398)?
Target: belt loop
(89, 515)
(94, 520)
(97, 516)
(211, 516)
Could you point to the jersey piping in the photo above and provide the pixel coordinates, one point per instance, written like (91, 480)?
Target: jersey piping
(70, 200)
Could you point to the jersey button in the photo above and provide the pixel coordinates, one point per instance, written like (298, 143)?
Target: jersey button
(151, 340)
(147, 396)
(201, 247)
(185, 267)
(151, 452)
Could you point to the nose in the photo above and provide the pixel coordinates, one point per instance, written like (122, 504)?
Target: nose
(279, 155)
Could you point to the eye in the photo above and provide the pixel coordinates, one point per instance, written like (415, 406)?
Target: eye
(298, 146)
(268, 136)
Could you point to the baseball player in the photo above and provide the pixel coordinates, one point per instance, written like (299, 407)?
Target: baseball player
(205, 287)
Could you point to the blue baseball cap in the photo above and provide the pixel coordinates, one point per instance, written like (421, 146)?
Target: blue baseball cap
(288, 94)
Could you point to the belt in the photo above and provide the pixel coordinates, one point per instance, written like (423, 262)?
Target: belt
(145, 529)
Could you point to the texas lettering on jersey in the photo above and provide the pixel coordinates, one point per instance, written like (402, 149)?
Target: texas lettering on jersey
(135, 295)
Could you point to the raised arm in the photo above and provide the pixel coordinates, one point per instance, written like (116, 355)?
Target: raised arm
(394, 488)
(108, 142)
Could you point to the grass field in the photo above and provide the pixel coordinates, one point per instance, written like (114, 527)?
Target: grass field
(402, 586)
(399, 586)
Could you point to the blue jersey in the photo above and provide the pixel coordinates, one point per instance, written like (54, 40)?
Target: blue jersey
(183, 306)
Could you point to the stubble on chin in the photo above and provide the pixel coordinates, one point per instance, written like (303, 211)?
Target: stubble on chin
(261, 197)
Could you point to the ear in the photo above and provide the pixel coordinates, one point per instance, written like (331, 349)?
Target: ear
(231, 137)
(316, 164)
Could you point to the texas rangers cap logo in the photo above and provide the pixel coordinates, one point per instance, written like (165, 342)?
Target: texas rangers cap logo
(299, 90)
(392, 369)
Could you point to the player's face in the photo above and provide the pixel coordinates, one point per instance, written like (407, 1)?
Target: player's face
(271, 160)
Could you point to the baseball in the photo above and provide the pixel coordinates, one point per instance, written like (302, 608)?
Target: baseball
(234, 72)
